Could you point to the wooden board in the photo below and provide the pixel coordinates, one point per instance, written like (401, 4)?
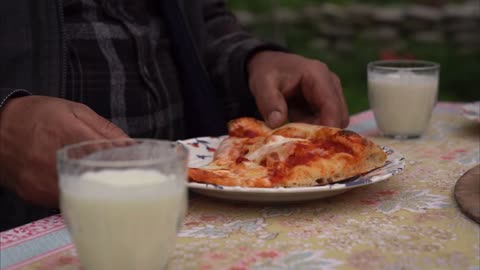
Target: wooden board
(467, 193)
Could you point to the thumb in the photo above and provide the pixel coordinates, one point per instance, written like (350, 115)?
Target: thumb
(271, 103)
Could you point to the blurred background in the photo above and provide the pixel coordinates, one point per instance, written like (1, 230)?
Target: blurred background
(347, 34)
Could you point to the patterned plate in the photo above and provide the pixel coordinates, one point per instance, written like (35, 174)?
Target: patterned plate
(202, 150)
(472, 111)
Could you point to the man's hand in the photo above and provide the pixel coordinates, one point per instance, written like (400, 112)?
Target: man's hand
(32, 129)
(304, 90)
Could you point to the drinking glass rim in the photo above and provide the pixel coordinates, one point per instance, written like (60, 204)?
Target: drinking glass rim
(62, 154)
(378, 64)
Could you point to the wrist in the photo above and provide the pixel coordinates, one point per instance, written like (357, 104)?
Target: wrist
(8, 115)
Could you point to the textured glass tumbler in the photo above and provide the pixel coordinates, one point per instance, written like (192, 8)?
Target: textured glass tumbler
(402, 95)
(123, 201)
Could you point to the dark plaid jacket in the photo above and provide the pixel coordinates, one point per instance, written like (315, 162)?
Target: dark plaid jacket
(33, 51)
(34, 59)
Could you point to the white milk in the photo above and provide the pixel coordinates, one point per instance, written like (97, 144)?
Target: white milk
(402, 102)
(123, 220)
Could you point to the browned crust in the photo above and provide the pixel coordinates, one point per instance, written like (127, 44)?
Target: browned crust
(330, 155)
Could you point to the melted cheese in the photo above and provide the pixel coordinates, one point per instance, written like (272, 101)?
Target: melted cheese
(271, 144)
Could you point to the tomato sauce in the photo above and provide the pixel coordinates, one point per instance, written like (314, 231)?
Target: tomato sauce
(335, 147)
(243, 133)
(303, 154)
(240, 160)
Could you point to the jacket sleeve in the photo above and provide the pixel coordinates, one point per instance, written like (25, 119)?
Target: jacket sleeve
(8, 93)
(227, 52)
(30, 49)
(15, 45)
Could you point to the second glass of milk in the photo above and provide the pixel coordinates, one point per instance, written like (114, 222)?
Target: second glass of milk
(123, 201)
(402, 95)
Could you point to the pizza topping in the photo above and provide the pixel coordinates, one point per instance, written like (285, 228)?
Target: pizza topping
(240, 160)
(335, 147)
(302, 155)
(277, 174)
(296, 154)
(243, 133)
(272, 143)
(247, 128)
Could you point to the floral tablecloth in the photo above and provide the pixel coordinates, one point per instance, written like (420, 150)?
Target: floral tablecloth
(410, 221)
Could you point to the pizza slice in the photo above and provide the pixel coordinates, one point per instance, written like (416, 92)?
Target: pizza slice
(293, 155)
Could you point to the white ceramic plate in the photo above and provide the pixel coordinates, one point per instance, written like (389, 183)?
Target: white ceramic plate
(202, 150)
(472, 111)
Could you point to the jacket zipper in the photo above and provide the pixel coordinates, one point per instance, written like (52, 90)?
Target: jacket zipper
(63, 57)
(195, 51)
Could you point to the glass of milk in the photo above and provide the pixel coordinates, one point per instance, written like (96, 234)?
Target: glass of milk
(123, 201)
(402, 95)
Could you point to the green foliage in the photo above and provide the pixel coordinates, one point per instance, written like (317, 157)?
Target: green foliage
(459, 79)
(263, 5)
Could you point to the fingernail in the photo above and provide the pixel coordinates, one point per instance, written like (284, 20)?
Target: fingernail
(275, 119)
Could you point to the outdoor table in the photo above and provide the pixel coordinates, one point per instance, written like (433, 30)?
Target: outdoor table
(410, 221)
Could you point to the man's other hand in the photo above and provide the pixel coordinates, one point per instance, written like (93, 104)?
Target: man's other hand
(32, 129)
(291, 86)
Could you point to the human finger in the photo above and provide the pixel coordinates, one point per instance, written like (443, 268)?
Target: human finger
(319, 90)
(97, 123)
(344, 109)
(270, 101)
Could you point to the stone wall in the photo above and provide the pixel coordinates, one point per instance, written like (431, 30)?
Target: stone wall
(336, 26)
